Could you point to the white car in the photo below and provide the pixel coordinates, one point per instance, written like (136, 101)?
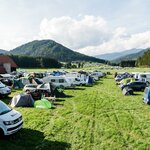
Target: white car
(30, 87)
(10, 120)
(4, 90)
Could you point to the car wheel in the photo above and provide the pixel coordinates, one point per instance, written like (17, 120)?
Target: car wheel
(61, 86)
(27, 91)
(142, 89)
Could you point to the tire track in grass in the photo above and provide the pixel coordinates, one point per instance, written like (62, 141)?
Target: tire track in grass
(93, 126)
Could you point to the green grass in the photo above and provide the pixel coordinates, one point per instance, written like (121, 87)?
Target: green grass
(90, 118)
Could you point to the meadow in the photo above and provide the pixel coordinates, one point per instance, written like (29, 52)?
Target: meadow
(88, 118)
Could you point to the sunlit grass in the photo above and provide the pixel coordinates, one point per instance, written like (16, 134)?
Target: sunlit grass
(90, 118)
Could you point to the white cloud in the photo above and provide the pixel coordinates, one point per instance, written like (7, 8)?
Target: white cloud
(119, 43)
(91, 35)
(75, 33)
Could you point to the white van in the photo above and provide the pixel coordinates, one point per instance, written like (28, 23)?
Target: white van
(144, 77)
(10, 120)
(59, 81)
(4, 90)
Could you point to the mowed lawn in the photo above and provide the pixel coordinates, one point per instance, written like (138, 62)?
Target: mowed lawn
(89, 118)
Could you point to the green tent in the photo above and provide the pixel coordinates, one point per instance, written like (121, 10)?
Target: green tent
(43, 103)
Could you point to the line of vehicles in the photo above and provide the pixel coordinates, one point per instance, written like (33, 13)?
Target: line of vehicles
(135, 81)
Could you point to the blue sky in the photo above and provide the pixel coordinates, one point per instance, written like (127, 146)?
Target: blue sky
(88, 26)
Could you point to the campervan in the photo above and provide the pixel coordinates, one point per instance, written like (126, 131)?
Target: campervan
(10, 120)
(58, 81)
(144, 77)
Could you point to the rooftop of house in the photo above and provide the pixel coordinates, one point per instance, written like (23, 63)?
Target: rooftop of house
(7, 59)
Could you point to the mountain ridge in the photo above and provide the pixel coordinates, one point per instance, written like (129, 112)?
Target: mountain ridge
(2, 51)
(133, 56)
(115, 55)
(52, 49)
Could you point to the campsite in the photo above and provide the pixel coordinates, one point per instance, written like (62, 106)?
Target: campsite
(85, 117)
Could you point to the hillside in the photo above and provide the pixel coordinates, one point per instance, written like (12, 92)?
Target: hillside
(115, 55)
(2, 51)
(51, 49)
(134, 56)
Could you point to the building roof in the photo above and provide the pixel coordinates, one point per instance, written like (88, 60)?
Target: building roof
(2, 69)
(7, 59)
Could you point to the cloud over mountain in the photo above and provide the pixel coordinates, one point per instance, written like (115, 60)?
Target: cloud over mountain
(91, 35)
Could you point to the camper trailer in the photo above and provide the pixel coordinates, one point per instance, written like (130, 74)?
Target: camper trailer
(58, 81)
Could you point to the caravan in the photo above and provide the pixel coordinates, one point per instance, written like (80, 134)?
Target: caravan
(58, 81)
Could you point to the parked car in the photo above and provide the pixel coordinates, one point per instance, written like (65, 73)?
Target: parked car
(10, 120)
(39, 90)
(146, 97)
(4, 90)
(136, 86)
(30, 87)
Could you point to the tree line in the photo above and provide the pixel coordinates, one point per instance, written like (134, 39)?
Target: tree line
(144, 60)
(35, 62)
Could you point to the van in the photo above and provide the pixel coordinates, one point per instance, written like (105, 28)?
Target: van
(144, 77)
(58, 81)
(10, 120)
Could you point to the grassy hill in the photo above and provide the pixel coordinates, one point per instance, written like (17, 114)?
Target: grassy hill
(51, 49)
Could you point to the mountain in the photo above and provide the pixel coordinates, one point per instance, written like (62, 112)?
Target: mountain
(115, 55)
(2, 51)
(51, 49)
(133, 56)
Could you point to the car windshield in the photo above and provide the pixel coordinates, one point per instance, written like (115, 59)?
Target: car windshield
(2, 85)
(4, 108)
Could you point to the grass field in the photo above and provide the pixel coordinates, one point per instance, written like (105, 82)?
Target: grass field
(89, 118)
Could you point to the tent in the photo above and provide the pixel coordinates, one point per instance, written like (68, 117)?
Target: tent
(127, 91)
(89, 80)
(43, 103)
(17, 84)
(147, 95)
(22, 100)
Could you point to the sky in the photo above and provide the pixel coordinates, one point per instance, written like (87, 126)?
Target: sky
(92, 27)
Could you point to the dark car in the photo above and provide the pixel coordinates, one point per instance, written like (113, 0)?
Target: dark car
(136, 86)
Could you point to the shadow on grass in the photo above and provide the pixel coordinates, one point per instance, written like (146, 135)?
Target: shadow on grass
(28, 139)
(136, 94)
(67, 96)
(76, 88)
(6, 99)
(60, 100)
